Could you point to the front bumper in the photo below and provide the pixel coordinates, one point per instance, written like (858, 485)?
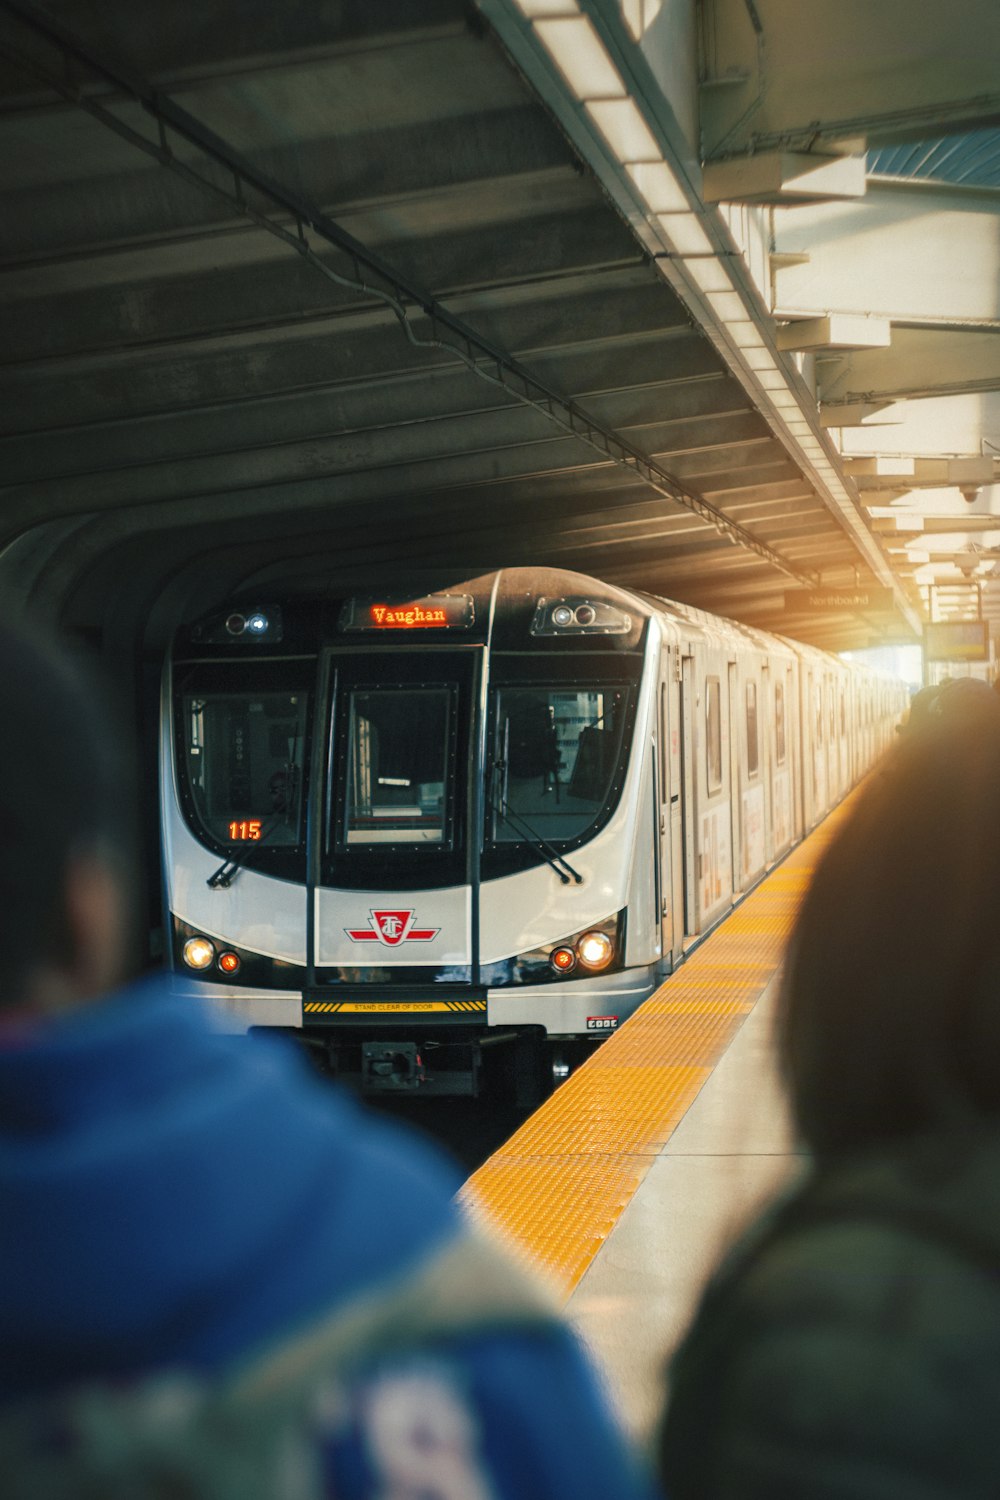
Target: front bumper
(572, 1008)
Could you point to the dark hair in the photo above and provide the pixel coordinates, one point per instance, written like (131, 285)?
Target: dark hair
(889, 1016)
(65, 789)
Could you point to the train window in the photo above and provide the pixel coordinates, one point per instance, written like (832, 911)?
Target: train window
(779, 723)
(753, 751)
(397, 767)
(555, 753)
(818, 705)
(843, 713)
(243, 757)
(713, 733)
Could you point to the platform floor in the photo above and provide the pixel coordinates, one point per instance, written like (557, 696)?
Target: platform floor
(732, 1150)
(629, 1181)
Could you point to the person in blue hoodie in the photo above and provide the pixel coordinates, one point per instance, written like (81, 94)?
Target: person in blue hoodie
(219, 1276)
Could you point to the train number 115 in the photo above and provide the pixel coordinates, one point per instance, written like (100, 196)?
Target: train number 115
(247, 830)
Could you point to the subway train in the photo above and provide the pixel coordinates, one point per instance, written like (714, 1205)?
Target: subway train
(462, 833)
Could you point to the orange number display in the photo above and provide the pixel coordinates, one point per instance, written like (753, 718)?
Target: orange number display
(247, 831)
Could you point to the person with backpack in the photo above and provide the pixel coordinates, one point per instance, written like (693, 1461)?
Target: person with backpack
(849, 1346)
(220, 1278)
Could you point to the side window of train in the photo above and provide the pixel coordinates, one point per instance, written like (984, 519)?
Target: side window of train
(753, 750)
(843, 712)
(779, 723)
(818, 704)
(713, 733)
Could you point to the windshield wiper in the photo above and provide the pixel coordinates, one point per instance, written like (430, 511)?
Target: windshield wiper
(520, 825)
(222, 878)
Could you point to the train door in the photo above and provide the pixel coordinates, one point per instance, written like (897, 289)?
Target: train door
(833, 717)
(766, 758)
(395, 860)
(735, 779)
(782, 758)
(807, 723)
(714, 789)
(844, 735)
(687, 809)
(819, 749)
(752, 792)
(670, 835)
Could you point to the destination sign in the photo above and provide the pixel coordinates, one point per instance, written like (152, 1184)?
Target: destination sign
(957, 640)
(433, 612)
(822, 601)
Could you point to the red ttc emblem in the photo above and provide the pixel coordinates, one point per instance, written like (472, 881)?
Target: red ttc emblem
(392, 928)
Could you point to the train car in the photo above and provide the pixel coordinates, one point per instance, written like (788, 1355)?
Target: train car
(429, 828)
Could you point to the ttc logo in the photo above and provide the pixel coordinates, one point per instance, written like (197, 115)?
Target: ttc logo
(392, 928)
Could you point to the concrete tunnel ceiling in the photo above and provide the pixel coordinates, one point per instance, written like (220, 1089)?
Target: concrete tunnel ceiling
(331, 283)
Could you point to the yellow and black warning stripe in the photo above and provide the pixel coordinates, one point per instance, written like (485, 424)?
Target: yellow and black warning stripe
(390, 1007)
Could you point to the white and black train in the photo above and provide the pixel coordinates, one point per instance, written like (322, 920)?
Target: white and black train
(416, 828)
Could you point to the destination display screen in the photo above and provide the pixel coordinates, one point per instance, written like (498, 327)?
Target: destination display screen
(433, 612)
(957, 640)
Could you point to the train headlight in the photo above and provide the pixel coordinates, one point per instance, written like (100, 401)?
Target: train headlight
(563, 960)
(595, 950)
(229, 963)
(198, 953)
(562, 615)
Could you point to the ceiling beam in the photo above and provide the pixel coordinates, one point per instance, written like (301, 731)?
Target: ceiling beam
(784, 75)
(913, 252)
(920, 362)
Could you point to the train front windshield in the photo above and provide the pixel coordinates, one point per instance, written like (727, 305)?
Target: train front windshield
(397, 766)
(556, 751)
(242, 736)
(400, 738)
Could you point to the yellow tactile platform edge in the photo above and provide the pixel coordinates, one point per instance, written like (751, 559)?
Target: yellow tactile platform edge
(559, 1185)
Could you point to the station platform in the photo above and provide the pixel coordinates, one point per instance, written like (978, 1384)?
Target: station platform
(625, 1187)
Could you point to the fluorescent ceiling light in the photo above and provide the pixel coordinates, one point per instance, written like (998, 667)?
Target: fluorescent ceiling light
(758, 359)
(771, 380)
(685, 234)
(726, 305)
(624, 129)
(783, 397)
(712, 276)
(745, 333)
(659, 187)
(579, 54)
(548, 7)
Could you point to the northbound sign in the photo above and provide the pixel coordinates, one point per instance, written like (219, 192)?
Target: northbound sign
(821, 601)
